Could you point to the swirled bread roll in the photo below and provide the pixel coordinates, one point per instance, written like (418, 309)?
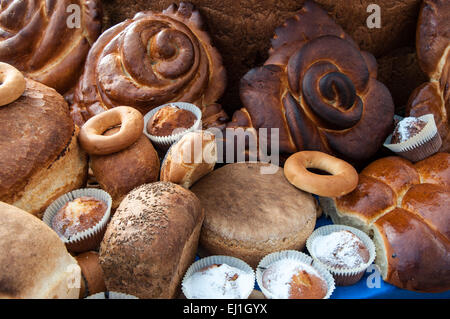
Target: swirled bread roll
(150, 60)
(42, 38)
(433, 51)
(319, 89)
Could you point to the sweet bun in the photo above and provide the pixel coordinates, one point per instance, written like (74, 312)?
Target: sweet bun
(40, 156)
(191, 158)
(151, 241)
(34, 262)
(404, 208)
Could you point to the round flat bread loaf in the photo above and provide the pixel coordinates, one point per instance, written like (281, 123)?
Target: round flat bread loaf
(250, 214)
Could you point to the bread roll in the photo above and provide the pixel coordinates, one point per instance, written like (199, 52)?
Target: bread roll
(405, 208)
(151, 241)
(191, 158)
(34, 262)
(250, 215)
(40, 158)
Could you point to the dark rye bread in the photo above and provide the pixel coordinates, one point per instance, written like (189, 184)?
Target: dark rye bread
(241, 29)
(151, 241)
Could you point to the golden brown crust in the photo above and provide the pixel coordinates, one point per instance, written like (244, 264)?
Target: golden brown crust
(92, 274)
(151, 240)
(411, 228)
(34, 262)
(38, 136)
(320, 90)
(134, 63)
(254, 223)
(121, 172)
(37, 39)
(169, 118)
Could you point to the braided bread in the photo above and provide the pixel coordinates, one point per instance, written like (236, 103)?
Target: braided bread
(319, 89)
(36, 38)
(150, 60)
(433, 51)
(406, 209)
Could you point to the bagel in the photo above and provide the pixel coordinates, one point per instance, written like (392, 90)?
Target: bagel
(131, 124)
(343, 178)
(12, 84)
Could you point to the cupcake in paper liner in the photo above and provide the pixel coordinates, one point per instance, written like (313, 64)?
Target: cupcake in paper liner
(290, 274)
(167, 123)
(218, 277)
(346, 252)
(111, 295)
(415, 138)
(80, 218)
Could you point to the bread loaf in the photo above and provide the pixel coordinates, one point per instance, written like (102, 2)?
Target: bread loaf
(433, 51)
(319, 90)
(150, 60)
(34, 262)
(405, 209)
(151, 241)
(40, 158)
(49, 40)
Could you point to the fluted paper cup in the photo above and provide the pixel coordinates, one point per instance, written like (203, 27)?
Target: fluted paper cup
(343, 276)
(90, 238)
(422, 145)
(296, 256)
(111, 295)
(219, 260)
(164, 142)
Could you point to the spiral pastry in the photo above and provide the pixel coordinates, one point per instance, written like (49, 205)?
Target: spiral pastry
(433, 51)
(49, 40)
(319, 89)
(153, 59)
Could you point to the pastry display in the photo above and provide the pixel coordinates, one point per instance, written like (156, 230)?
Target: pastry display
(343, 179)
(293, 275)
(250, 214)
(432, 45)
(80, 218)
(92, 274)
(189, 159)
(151, 241)
(404, 207)
(150, 60)
(344, 251)
(49, 40)
(415, 138)
(34, 263)
(40, 158)
(122, 158)
(319, 89)
(168, 119)
(78, 215)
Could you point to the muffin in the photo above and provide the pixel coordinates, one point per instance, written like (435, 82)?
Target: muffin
(293, 279)
(78, 215)
(415, 138)
(168, 119)
(344, 251)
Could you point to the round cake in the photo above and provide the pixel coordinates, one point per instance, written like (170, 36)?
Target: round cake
(292, 279)
(407, 128)
(168, 119)
(250, 214)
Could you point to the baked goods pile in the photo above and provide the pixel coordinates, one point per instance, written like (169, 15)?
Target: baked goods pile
(126, 169)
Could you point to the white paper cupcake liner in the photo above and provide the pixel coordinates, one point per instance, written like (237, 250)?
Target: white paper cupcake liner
(343, 275)
(425, 135)
(111, 295)
(89, 237)
(166, 141)
(296, 256)
(228, 260)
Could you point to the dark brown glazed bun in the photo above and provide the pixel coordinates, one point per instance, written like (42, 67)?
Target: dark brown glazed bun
(319, 89)
(150, 60)
(37, 38)
(168, 119)
(78, 215)
(407, 128)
